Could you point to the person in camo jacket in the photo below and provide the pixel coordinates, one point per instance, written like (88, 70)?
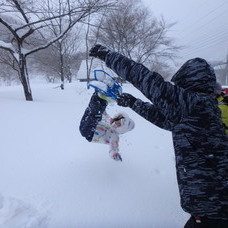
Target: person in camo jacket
(190, 111)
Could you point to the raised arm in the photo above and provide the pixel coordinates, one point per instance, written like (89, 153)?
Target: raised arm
(164, 95)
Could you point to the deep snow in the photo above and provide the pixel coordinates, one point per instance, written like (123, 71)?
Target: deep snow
(51, 177)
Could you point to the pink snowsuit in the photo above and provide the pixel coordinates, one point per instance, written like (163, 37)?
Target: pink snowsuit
(108, 133)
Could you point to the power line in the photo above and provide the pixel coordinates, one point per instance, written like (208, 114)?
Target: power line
(207, 46)
(197, 7)
(203, 25)
(212, 11)
(210, 39)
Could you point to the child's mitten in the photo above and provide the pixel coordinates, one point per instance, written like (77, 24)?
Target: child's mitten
(115, 155)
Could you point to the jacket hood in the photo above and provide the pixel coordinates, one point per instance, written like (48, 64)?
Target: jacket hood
(127, 124)
(196, 75)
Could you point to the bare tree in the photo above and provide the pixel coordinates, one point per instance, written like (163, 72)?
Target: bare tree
(59, 58)
(8, 72)
(67, 45)
(32, 24)
(47, 61)
(134, 32)
(90, 40)
(72, 55)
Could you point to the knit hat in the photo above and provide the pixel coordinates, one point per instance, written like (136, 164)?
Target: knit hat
(127, 124)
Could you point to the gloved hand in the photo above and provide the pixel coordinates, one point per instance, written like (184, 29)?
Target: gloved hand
(99, 51)
(126, 100)
(117, 157)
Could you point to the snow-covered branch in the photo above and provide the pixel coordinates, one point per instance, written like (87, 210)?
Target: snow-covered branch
(58, 36)
(9, 27)
(6, 46)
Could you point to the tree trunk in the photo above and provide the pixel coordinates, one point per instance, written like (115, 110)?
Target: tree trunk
(24, 78)
(61, 67)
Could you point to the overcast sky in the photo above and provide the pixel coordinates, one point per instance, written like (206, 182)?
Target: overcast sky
(202, 26)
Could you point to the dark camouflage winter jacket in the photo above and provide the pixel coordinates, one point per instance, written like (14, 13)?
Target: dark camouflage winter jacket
(191, 113)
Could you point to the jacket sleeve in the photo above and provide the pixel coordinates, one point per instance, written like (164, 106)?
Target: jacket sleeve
(164, 95)
(91, 117)
(151, 113)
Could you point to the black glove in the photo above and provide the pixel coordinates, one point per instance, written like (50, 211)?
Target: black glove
(126, 100)
(99, 51)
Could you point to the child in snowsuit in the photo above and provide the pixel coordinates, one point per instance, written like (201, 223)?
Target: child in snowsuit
(97, 126)
(190, 111)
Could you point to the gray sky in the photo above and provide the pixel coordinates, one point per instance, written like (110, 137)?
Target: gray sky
(202, 26)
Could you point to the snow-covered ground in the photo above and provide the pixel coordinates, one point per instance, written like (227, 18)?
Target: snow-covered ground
(51, 177)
